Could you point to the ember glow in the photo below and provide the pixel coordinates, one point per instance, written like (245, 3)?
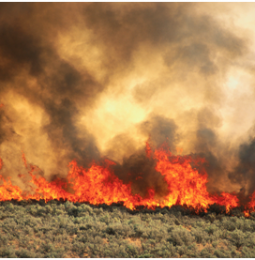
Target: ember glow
(84, 85)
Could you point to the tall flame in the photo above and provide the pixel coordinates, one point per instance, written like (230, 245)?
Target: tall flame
(97, 185)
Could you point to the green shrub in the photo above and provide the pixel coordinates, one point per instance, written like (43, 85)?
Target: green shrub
(235, 254)
(46, 247)
(237, 238)
(105, 218)
(211, 229)
(250, 239)
(175, 240)
(96, 232)
(3, 239)
(200, 224)
(181, 250)
(57, 253)
(132, 251)
(218, 253)
(7, 251)
(212, 217)
(223, 234)
(146, 217)
(186, 237)
(247, 252)
(98, 211)
(157, 234)
(170, 251)
(48, 209)
(24, 253)
(247, 226)
(78, 248)
(23, 241)
(120, 230)
(199, 236)
(215, 243)
(83, 208)
(9, 207)
(229, 225)
(145, 256)
(206, 253)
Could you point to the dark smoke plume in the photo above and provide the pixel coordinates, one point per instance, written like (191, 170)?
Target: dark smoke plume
(85, 81)
(244, 173)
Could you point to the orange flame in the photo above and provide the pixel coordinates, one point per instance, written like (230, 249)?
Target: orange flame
(98, 185)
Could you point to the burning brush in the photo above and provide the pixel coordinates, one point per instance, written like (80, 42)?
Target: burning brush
(99, 184)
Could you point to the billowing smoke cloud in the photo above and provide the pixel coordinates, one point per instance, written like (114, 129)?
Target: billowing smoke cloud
(87, 80)
(138, 168)
(59, 87)
(244, 172)
(162, 130)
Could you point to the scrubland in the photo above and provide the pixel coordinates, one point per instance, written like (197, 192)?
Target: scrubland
(66, 229)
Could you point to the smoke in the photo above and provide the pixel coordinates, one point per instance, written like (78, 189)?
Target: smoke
(244, 172)
(57, 88)
(161, 129)
(139, 169)
(88, 80)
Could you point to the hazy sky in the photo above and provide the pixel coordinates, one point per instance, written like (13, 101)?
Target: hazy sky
(86, 80)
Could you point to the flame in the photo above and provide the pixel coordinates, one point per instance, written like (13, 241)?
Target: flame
(251, 206)
(7, 190)
(228, 200)
(98, 185)
(246, 213)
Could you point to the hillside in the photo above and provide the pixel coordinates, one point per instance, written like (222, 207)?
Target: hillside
(63, 229)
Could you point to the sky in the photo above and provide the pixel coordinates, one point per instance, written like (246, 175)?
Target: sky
(86, 81)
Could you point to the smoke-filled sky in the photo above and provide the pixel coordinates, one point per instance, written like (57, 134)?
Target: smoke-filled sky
(90, 80)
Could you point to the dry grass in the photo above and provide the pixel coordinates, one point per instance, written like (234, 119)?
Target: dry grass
(222, 245)
(200, 247)
(136, 242)
(187, 227)
(105, 241)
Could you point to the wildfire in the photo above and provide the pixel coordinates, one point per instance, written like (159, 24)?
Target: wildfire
(98, 184)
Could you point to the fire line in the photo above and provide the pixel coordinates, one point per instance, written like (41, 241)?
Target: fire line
(98, 185)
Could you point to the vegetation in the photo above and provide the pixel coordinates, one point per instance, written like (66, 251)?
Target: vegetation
(65, 229)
